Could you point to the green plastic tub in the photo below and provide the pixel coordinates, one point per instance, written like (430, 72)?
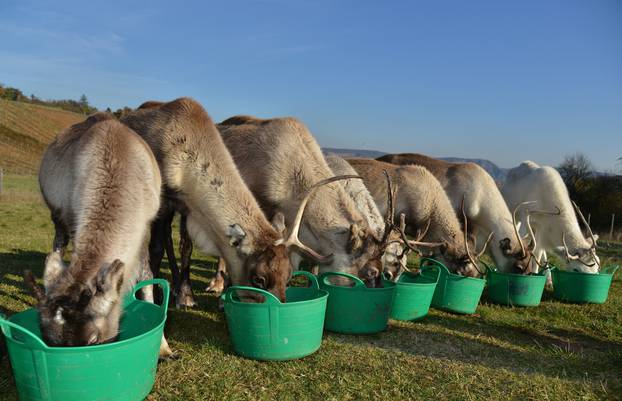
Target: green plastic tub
(356, 309)
(515, 289)
(453, 293)
(273, 330)
(582, 288)
(413, 295)
(123, 370)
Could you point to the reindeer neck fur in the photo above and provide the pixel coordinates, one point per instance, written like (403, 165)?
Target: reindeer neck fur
(104, 181)
(196, 164)
(280, 160)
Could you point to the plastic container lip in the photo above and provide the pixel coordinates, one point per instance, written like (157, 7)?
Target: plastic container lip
(600, 273)
(319, 295)
(531, 275)
(93, 348)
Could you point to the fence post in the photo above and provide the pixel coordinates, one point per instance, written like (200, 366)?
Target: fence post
(613, 218)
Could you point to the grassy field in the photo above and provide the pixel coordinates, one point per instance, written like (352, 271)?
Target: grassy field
(25, 131)
(554, 352)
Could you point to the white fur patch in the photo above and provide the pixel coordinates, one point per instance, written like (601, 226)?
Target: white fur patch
(58, 317)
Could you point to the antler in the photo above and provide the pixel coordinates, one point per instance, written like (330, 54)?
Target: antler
(573, 257)
(589, 230)
(520, 240)
(480, 253)
(389, 225)
(293, 236)
(417, 242)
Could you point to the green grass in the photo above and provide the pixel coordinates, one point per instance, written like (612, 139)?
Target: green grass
(554, 352)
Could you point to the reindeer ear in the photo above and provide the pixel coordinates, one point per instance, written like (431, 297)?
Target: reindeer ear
(110, 278)
(54, 266)
(36, 289)
(278, 222)
(236, 234)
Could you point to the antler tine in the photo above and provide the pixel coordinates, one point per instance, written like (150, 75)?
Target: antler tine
(422, 234)
(520, 240)
(412, 244)
(479, 255)
(533, 244)
(293, 236)
(390, 209)
(466, 230)
(589, 229)
(574, 257)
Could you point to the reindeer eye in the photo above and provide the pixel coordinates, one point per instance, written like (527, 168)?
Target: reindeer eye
(259, 282)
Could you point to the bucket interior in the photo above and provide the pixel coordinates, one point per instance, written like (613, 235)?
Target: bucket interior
(138, 317)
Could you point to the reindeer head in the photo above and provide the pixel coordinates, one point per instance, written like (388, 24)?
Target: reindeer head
(270, 269)
(74, 312)
(524, 258)
(582, 258)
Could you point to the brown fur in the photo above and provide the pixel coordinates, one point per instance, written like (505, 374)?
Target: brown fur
(280, 160)
(102, 185)
(197, 167)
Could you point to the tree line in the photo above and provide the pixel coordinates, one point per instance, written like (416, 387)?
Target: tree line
(80, 106)
(598, 194)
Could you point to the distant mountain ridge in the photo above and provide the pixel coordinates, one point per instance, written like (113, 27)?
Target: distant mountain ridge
(498, 173)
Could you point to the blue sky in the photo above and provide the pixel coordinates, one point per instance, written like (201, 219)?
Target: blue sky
(506, 81)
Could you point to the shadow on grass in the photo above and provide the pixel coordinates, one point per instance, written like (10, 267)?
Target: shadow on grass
(488, 344)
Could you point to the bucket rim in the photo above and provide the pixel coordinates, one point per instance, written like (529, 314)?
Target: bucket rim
(90, 348)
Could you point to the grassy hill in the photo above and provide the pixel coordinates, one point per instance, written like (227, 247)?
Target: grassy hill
(25, 130)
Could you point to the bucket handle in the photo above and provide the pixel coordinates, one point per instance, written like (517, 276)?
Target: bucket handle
(163, 283)
(324, 278)
(268, 296)
(610, 269)
(313, 283)
(7, 325)
(434, 263)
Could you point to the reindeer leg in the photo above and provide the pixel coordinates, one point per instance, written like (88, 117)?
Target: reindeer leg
(219, 282)
(156, 246)
(147, 295)
(61, 235)
(184, 296)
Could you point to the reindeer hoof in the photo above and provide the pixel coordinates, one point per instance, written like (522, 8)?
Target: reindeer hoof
(184, 297)
(217, 285)
(166, 354)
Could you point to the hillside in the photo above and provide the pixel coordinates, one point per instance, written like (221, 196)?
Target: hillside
(25, 130)
(498, 173)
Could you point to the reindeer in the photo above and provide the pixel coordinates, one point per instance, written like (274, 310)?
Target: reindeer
(197, 168)
(423, 200)
(101, 183)
(530, 183)
(280, 160)
(394, 259)
(484, 208)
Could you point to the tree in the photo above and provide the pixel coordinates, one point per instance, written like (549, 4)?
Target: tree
(84, 104)
(576, 170)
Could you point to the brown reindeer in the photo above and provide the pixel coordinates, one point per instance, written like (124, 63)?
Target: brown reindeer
(485, 207)
(197, 168)
(280, 160)
(101, 183)
(421, 198)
